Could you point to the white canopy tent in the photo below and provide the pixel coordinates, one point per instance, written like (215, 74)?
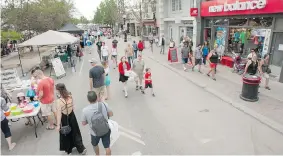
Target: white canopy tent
(50, 38)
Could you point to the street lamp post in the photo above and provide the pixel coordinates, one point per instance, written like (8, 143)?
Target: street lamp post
(125, 32)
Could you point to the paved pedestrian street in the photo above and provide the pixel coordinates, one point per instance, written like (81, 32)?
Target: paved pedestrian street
(183, 118)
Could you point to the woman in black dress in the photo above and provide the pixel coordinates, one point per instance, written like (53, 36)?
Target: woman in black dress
(65, 117)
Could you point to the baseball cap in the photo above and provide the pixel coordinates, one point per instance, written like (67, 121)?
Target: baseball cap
(93, 60)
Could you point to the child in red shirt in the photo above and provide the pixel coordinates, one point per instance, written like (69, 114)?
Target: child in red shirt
(148, 81)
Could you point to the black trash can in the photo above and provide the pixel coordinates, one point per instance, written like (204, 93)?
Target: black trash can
(250, 88)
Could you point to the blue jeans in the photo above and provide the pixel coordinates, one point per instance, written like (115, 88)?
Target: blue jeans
(136, 53)
(130, 58)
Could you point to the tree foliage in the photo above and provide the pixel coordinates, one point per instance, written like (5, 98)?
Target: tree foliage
(10, 35)
(36, 15)
(106, 13)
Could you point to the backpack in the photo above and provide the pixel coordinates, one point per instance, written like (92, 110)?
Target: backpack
(99, 123)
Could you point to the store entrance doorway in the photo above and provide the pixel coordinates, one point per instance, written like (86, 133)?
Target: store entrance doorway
(277, 49)
(276, 62)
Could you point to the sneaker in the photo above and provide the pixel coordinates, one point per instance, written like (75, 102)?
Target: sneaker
(200, 71)
(12, 146)
(185, 68)
(137, 87)
(142, 91)
(140, 87)
(268, 88)
(84, 152)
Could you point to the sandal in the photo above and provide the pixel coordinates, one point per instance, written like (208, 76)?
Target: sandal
(50, 128)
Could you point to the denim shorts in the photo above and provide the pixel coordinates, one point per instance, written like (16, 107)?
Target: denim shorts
(185, 60)
(105, 140)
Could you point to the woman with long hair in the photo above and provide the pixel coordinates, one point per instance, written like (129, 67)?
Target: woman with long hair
(124, 67)
(205, 51)
(66, 118)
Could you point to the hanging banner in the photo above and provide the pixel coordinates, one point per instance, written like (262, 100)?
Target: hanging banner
(266, 42)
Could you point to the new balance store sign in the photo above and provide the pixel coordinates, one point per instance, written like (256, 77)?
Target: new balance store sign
(241, 7)
(194, 12)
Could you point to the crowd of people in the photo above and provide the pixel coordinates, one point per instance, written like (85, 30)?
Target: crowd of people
(202, 54)
(60, 113)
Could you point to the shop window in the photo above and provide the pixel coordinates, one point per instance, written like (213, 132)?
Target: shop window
(208, 23)
(261, 22)
(238, 21)
(207, 34)
(222, 22)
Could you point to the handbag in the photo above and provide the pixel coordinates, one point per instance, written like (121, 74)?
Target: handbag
(81, 54)
(65, 130)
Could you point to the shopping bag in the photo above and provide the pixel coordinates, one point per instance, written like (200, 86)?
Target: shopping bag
(132, 76)
(113, 125)
(30, 93)
(127, 73)
(81, 54)
(107, 80)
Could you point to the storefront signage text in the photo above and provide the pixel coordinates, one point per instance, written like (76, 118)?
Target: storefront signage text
(247, 5)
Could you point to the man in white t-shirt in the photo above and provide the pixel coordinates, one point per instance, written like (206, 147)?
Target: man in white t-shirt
(104, 52)
(114, 56)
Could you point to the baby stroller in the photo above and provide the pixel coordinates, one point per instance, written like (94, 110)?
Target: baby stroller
(239, 64)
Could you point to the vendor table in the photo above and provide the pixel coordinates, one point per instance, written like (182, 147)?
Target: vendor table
(33, 114)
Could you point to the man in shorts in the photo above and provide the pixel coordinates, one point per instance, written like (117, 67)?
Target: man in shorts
(185, 55)
(45, 92)
(87, 118)
(198, 57)
(139, 69)
(96, 79)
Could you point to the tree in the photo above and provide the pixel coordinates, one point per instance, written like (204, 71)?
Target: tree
(36, 15)
(106, 13)
(10, 35)
(83, 20)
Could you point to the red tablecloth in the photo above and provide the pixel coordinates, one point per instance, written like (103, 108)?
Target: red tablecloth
(227, 61)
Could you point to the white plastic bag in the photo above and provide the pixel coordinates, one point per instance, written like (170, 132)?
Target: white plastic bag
(114, 131)
(132, 76)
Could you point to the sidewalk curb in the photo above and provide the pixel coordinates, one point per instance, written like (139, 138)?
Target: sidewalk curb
(261, 118)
